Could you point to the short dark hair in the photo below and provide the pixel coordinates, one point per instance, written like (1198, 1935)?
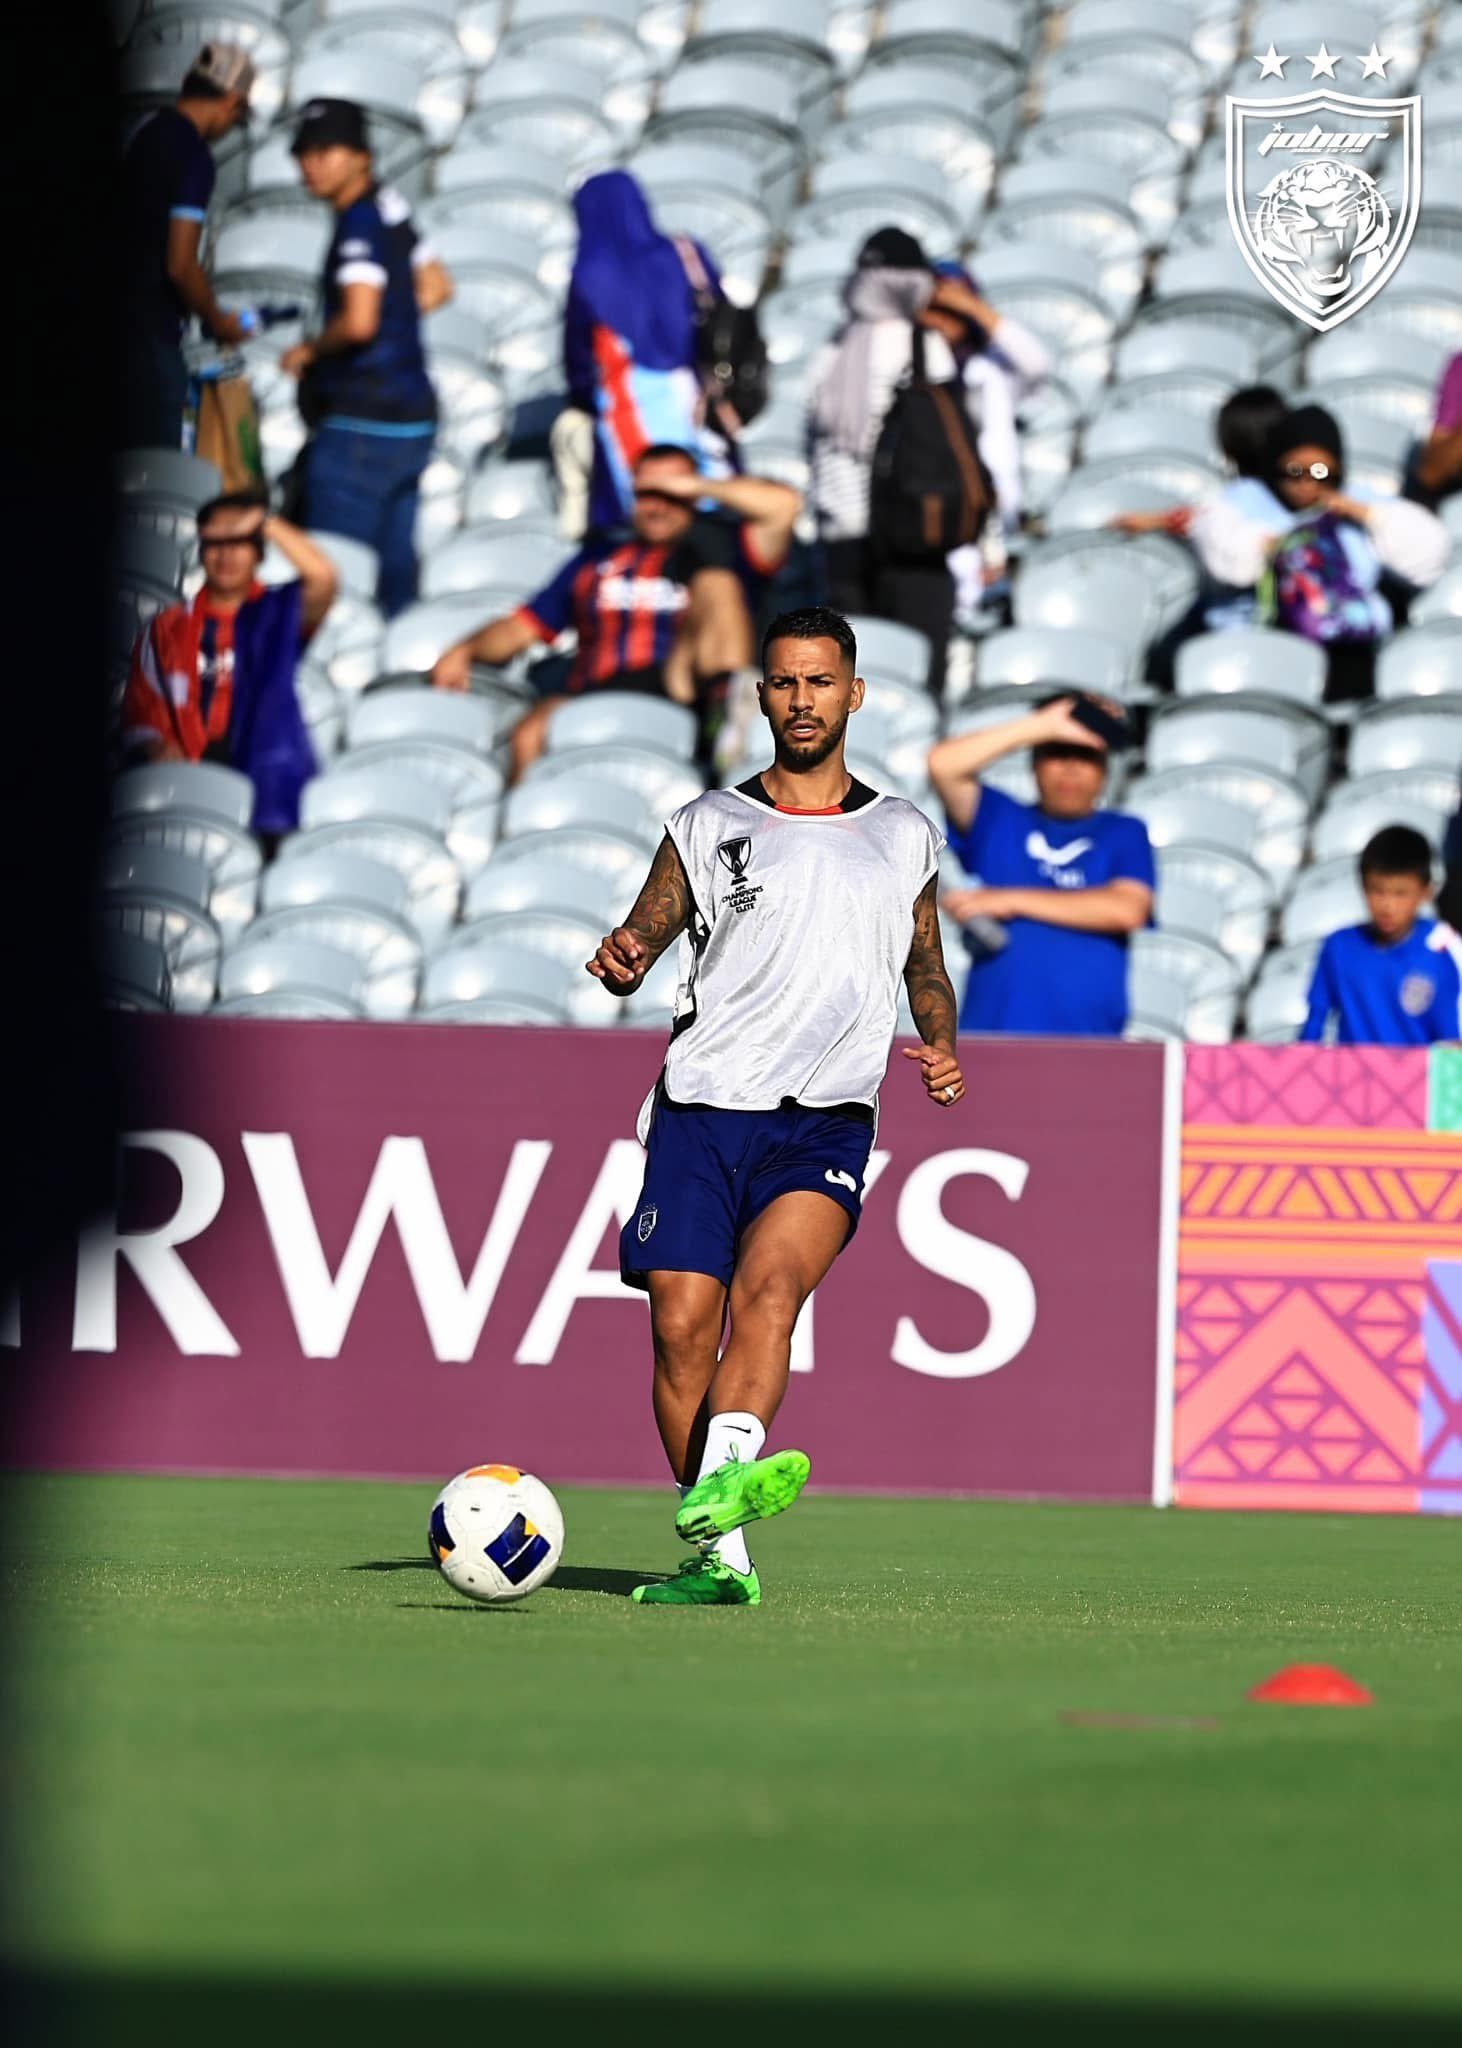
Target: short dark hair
(661, 451)
(1396, 850)
(1246, 421)
(196, 87)
(812, 622)
(232, 501)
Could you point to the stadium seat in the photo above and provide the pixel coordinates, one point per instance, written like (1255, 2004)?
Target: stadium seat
(416, 637)
(1242, 892)
(919, 108)
(416, 712)
(1165, 564)
(134, 972)
(471, 968)
(509, 887)
(498, 277)
(544, 802)
(468, 780)
(1424, 661)
(1260, 730)
(388, 948)
(1091, 503)
(202, 789)
(434, 883)
(1191, 817)
(1172, 347)
(1348, 821)
(561, 935)
(1210, 978)
(1083, 199)
(1252, 659)
(329, 981)
(658, 780)
(322, 707)
(1278, 1003)
(1395, 796)
(510, 491)
(148, 557)
(785, 37)
(378, 790)
(348, 644)
(885, 648)
(736, 105)
(1323, 900)
(510, 1010)
(1128, 426)
(270, 252)
(620, 855)
(1157, 1004)
(162, 895)
(855, 193)
(1424, 298)
(1079, 595)
(611, 718)
(1408, 735)
(1053, 658)
(1442, 601)
(170, 475)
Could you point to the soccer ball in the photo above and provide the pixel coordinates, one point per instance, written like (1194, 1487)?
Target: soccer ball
(495, 1533)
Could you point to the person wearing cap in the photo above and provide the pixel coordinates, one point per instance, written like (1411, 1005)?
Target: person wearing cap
(167, 182)
(850, 389)
(1063, 884)
(364, 387)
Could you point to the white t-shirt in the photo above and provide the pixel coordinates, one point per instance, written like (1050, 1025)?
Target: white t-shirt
(791, 971)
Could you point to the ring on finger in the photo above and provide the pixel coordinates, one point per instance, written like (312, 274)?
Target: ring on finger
(949, 1092)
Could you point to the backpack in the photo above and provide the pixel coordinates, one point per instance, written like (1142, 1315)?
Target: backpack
(930, 491)
(1310, 588)
(730, 354)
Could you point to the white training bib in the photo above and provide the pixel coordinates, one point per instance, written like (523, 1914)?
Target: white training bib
(791, 970)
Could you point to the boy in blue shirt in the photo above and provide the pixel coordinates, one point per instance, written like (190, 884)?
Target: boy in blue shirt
(1069, 882)
(1395, 980)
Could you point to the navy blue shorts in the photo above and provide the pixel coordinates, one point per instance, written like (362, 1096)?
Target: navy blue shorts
(711, 1172)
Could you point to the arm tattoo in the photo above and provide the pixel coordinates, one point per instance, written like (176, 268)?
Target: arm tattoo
(663, 907)
(931, 997)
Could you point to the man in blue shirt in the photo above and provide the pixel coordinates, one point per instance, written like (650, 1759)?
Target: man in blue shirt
(1395, 980)
(167, 182)
(364, 387)
(1068, 882)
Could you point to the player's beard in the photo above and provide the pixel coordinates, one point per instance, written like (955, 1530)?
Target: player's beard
(814, 753)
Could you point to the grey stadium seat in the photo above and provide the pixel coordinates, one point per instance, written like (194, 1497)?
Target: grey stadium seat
(509, 491)
(200, 788)
(388, 948)
(1442, 601)
(1157, 1004)
(415, 638)
(1251, 658)
(134, 972)
(661, 783)
(346, 794)
(1053, 657)
(232, 855)
(621, 856)
(547, 884)
(1168, 567)
(499, 566)
(1322, 901)
(328, 981)
(434, 883)
(465, 778)
(1424, 661)
(1131, 426)
(560, 935)
(414, 711)
(1261, 730)
(510, 1010)
(1085, 597)
(542, 803)
(1345, 825)
(1388, 736)
(539, 104)
(919, 108)
(1239, 893)
(856, 192)
(472, 968)
(1187, 817)
(169, 474)
(1209, 976)
(1278, 1003)
(1404, 793)
(1279, 806)
(623, 718)
(154, 893)
(885, 648)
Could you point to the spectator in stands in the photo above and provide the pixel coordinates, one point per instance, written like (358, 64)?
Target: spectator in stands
(214, 680)
(664, 609)
(851, 386)
(1396, 980)
(1438, 467)
(167, 182)
(1064, 883)
(364, 388)
(1001, 364)
(628, 342)
(1246, 422)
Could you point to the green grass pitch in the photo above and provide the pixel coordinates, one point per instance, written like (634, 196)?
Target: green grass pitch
(263, 1745)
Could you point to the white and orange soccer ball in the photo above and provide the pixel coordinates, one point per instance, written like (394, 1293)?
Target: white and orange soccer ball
(496, 1533)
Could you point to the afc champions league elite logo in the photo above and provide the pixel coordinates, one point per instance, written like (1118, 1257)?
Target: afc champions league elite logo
(1324, 188)
(734, 855)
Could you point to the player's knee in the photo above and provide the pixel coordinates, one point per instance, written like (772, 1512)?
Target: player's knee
(684, 1339)
(773, 1298)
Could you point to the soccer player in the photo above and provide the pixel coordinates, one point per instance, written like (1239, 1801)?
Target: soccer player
(804, 898)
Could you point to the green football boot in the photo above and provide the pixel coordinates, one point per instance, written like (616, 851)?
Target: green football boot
(702, 1581)
(735, 1494)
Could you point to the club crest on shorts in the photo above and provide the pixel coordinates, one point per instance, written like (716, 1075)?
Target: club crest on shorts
(647, 1221)
(1324, 189)
(733, 854)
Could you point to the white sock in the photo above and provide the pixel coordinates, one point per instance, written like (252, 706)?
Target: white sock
(740, 1435)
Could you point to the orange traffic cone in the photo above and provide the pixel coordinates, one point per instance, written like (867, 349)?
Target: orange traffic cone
(1311, 1685)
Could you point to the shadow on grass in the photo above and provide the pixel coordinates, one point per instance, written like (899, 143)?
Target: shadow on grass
(463, 1606)
(67, 2012)
(392, 1564)
(573, 1578)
